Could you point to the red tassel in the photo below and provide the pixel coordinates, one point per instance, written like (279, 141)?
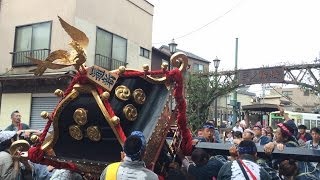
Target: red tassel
(186, 143)
(35, 154)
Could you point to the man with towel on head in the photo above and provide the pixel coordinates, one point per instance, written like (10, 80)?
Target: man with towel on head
(132, 166)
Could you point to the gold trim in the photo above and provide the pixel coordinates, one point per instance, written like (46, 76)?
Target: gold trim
(58, 93)
(47, 141)
(51, 142)
(93, 133)
(34, 138)
(158, 136)
(44, 114)
(151, 79)
(122, 69)
(139, 96)
(130, 112)
(105, 95)
(115, 120)
(123, 92)
(179, 60)
(80, 116)
(19, 145)
(145, 67)
(75, 132)
(106, 115)
(82, 88)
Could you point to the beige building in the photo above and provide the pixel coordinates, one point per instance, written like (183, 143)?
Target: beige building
(120, 33)
(297, 99)
(224, 107)
(196, 64)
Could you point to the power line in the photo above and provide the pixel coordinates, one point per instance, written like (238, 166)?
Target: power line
(207, 24)
(285, 97)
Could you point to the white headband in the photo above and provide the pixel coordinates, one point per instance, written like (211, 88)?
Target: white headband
(5, 135)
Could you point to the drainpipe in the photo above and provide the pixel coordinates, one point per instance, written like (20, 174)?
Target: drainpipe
(1, 88)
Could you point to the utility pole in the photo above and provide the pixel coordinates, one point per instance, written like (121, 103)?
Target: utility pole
(263, 92)
(235, 99)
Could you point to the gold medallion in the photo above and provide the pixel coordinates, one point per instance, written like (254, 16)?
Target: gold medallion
(122, 92)
(139, 96)
(75, 132)
(130, 112)
(93, 133)
(80, 116)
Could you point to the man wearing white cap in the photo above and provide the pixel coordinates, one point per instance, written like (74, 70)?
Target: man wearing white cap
(248, 134)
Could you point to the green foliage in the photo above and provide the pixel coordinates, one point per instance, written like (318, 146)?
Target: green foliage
(197, 91)
(201, 93)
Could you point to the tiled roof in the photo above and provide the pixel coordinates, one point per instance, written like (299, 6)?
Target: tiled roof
(165, 48)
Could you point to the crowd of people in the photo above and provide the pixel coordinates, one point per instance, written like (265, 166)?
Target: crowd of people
(15, 165)
(243, 162)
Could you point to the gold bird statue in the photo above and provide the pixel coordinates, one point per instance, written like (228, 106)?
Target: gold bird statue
(60, 58)
(42, 65)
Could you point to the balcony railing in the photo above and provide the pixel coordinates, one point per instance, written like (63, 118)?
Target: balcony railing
(107, 62)
(19, 57)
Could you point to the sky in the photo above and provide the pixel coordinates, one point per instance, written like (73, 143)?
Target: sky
(269, 32)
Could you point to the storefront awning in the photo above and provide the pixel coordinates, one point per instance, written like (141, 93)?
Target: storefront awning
(261, 107)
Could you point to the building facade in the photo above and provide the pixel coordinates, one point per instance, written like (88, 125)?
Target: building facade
(119, 32)
(196, 63)
(224, 107)
(298, 99)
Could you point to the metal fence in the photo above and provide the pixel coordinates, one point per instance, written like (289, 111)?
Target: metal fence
(107, 62)
(19, 57)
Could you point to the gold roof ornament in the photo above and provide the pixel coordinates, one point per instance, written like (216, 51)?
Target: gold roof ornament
(60, 58)
(58, 93)
(19, 146)
(76, 35)
(34, 138)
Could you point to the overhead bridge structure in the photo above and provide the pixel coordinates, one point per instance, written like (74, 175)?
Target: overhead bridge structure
(304, 75)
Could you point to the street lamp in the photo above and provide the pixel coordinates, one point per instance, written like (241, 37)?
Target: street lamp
(172, 46)
(216, 63)
(172, 49)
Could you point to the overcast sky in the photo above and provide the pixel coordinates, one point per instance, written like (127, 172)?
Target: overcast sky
(269, 31)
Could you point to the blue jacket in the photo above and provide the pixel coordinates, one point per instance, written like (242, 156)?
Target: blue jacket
(263, 140)
(307, 171)
(211, 169)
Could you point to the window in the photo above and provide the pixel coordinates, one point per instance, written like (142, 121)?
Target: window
(306, 92)
(313, 124)
(164, 61)
(144, 52)
(31, 40)
(307, 123)
(197, 67)
(228, 99)
(111, 50)
(287, 93)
